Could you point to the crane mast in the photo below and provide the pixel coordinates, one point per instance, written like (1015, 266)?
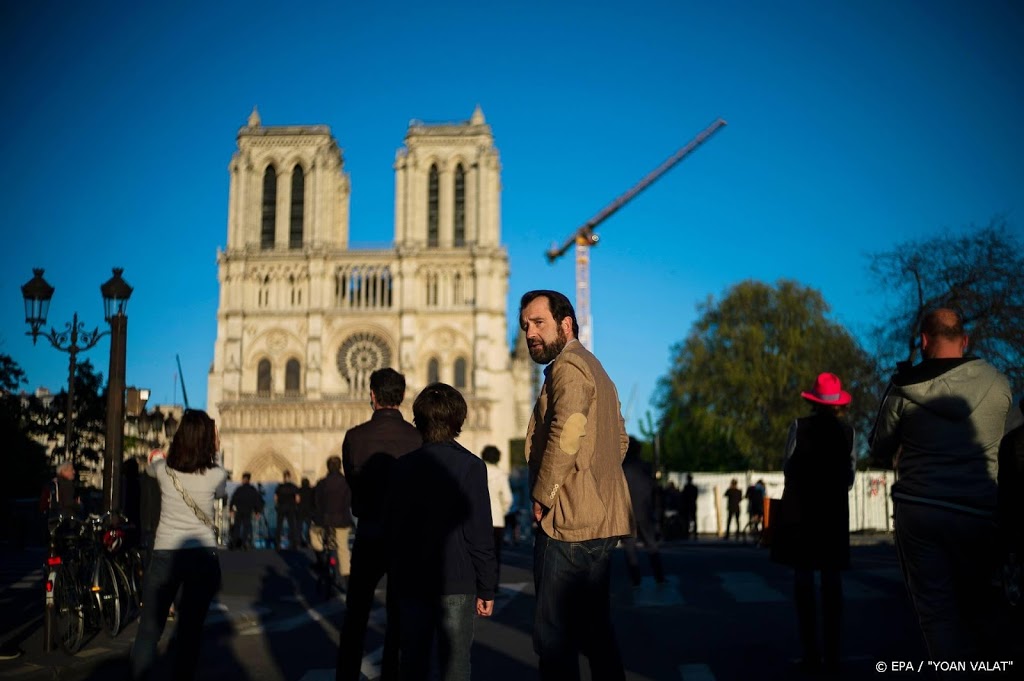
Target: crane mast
(584, 237)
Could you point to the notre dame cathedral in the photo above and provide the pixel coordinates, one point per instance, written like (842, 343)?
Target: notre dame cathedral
(303, 319)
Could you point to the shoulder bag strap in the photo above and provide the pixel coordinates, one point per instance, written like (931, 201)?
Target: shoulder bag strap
(203, 518)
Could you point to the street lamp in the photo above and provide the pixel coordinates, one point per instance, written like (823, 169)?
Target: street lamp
(116, 293)
(72, 340)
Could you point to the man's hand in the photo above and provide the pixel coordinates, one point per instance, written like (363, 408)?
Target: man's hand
(484, 608)
(538, 511)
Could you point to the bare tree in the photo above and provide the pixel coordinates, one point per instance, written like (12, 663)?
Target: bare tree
(977, 271)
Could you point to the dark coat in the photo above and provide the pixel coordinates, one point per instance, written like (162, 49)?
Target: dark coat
(246, 499)
(641, 487)
(813, 529)
(332, 505)
(1011, 489)
(439, 525)
(367, 455)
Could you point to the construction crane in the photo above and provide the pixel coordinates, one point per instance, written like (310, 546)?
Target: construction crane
(585, 237)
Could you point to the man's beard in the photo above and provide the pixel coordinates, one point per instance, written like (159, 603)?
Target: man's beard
(544, 353)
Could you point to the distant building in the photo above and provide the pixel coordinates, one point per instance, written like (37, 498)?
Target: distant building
(303, 319)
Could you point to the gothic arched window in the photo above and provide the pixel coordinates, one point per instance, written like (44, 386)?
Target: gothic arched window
(269, 207)
(433, 194)
(460, 372)
(460, 206)
(263, 377)
(298, 202)
(292, 376)
(433, 371)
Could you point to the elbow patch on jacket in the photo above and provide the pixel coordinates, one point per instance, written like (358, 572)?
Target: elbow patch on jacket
(572, 433)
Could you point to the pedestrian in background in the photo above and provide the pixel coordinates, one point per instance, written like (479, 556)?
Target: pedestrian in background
(755, 504)
(185, 551)
(575, 444)
(689, 500)
(500, 492)
(306, 504)
(442, 541)
(368, 454)
(286, 499)
(733, 498)
(942, 421)
(640, 480)
(814, 528)
(332, 512)
(149, 505)
(245, 505)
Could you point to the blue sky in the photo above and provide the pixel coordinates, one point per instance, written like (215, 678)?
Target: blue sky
(852, 127)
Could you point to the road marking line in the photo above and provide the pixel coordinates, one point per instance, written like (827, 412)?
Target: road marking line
(749, 587)
(695, 672)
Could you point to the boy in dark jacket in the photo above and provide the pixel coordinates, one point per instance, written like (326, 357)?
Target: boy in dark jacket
(442, 559)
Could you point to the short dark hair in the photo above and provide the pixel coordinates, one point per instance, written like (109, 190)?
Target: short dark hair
(388, 386)
(558, 304)
(334, 464)
(194, 447)
(246, 476)
(943, 323)
(439, 412)
(490, 454)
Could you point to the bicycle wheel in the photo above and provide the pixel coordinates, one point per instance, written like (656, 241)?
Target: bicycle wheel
(108, 596)
(124, 587)
(68, 610)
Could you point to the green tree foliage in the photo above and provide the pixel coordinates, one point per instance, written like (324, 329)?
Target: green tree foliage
(978, 271)
(735, 382)
(22, 458)
(90, 417)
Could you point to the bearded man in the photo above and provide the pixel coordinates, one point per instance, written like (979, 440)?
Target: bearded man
(575, 446)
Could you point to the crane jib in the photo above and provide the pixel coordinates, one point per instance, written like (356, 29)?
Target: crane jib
(585, 232)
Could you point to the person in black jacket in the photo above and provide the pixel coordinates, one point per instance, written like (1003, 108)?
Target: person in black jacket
(368, 454)
(246, 503)
(332, 512)
(286, 497)
(814, 525)
(640, 480)
(442, 544)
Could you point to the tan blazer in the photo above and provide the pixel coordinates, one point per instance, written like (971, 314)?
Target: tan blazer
(575, 445)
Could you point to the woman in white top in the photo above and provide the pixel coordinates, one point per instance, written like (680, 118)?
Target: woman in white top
(184, 551)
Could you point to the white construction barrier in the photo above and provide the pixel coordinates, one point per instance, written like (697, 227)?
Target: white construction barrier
(870, 503)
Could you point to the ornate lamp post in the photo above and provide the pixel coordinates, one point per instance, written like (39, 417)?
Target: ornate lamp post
(72, 340)
(116, 293)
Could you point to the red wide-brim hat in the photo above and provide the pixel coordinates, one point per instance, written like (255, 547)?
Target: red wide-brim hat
(828, 389)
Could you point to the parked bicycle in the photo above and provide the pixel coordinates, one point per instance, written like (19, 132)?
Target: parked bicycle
(85, 588)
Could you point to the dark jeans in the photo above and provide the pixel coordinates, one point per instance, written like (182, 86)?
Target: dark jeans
(645, 533)
(807, 615)
(449, 619)
(728, 523)
(197, 573)
(947, 560)
(369, 564)
(241, 530)
(291, 514)
(573, 616)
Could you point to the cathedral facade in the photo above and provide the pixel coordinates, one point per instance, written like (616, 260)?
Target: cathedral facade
(303, 319)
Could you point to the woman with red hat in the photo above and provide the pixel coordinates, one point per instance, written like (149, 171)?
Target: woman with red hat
(814, 525)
